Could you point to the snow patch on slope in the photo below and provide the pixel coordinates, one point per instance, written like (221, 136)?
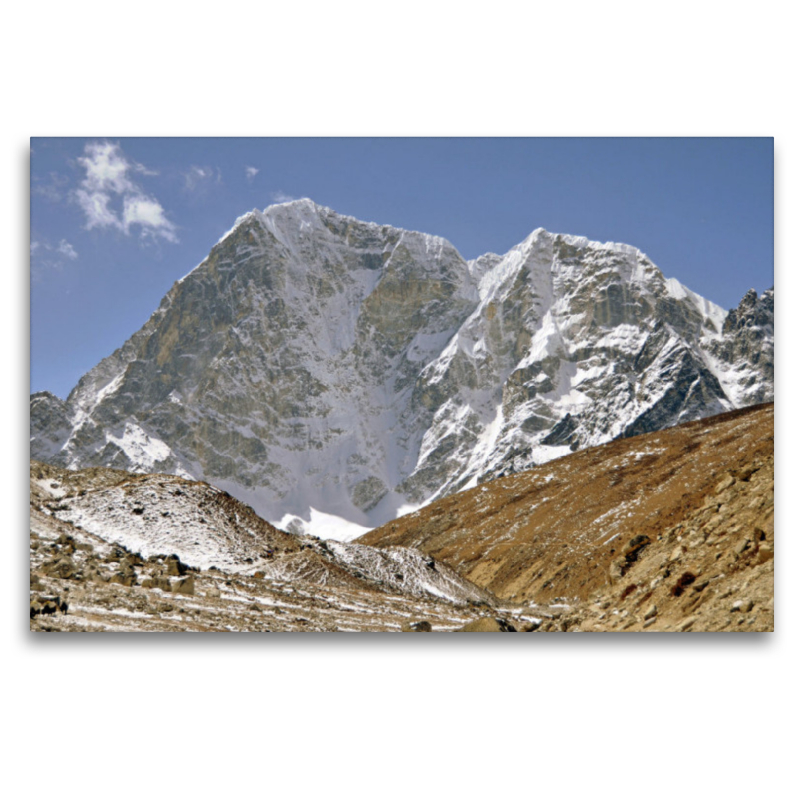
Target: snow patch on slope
(144, 450)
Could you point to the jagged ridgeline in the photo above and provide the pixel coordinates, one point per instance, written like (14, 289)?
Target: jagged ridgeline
(334, 373)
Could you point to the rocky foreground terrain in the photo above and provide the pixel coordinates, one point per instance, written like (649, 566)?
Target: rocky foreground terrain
(112, 551)
(669, 531)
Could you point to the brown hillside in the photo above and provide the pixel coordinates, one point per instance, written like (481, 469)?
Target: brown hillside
(623, 518)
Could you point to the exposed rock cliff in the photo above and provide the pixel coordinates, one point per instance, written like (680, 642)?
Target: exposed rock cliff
(334, 373)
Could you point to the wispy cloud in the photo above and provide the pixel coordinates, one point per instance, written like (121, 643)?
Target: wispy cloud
(199, 177)
(45, 256)
(111, 198)
(195, 176)
(282, 197)
(52, 188)
(250, 173)
(67, 250)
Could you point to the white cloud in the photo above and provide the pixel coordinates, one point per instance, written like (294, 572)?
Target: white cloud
(144, 211)
(96, 207)
(110, 198)
(250, 173)
(67, 250)
(282, 197)
(106, 168)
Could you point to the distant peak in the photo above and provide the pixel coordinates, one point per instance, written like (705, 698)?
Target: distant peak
(300, 202)
(750, 298)
(45, 395)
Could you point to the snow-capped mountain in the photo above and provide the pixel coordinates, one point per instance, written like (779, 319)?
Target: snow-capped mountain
(335, 374)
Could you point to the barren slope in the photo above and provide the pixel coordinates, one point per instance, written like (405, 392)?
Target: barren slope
(113, 551)
(681, 519)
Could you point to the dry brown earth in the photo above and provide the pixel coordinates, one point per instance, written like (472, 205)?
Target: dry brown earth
(672, 530)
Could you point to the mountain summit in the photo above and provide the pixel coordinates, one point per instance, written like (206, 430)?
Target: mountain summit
(335, 373)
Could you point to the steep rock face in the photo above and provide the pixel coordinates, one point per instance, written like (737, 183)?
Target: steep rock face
(333, 373)
(747, 348)
(50, 425)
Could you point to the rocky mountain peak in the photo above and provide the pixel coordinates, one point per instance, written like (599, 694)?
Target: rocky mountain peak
(752, 311)
(334, 373)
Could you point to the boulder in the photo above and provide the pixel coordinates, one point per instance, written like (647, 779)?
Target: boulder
(487, 625)
(132, 560)
(421, 626)
(63, 568)
(183, 585)
(743, 545)
(765, 553)
(724, 484)
(117, 553)
(676, 554)
(125, 576)
(616, 570)
(160, 582)
(174, 566)
(635, 547)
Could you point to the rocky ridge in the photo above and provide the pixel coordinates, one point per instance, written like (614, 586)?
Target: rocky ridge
(334, 373)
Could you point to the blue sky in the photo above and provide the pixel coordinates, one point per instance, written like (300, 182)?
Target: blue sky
(115, 222)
